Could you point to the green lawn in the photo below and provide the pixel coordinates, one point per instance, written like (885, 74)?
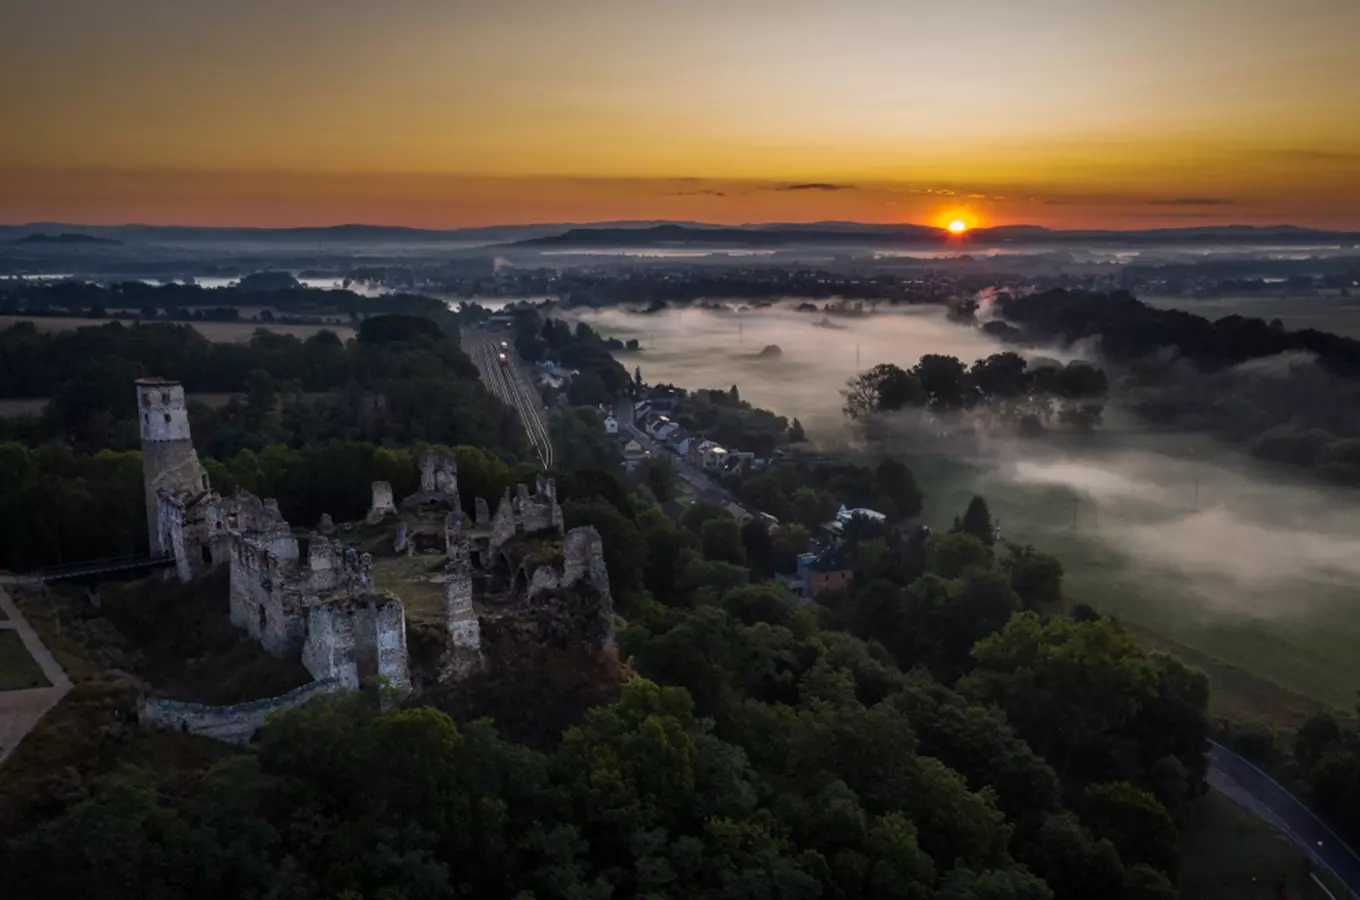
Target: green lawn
(1229, 854)
(1309, 652)
(17, 668)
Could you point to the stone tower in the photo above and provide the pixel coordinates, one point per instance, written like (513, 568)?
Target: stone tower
(169, 461)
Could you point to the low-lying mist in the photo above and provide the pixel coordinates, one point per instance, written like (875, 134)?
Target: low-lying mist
(1180, 533)
(695, 348)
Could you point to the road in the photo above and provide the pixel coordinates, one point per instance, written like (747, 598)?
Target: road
(1245, 783)
(508, 382)
(686, 470)
(21, 710)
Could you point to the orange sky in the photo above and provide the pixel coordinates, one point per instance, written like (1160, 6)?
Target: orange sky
(445, 113)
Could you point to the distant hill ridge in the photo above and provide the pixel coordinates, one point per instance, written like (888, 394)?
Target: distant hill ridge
(642, 233)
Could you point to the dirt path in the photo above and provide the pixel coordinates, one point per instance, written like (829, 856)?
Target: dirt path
(21, 710)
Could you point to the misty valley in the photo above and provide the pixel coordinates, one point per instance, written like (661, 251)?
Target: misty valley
(756, 541)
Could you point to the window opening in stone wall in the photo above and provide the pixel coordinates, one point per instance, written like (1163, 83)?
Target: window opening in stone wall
(165, 397)
(207, 555)
(263, 620)
(167, 418)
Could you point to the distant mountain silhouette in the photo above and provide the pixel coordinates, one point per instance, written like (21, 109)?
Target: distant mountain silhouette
(652, 233)
(64, 238)
(845, 233)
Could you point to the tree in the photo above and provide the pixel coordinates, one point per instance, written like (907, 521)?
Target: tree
(261, 392)
(883, 388)
(759, 548)
(950, 555)
(944, 380)
(796, 435)
(1106, 691)
(1001, 376)
(1036, 577)
(720, 539)
(812, 507)
(977, 521)
(898, 483)
(659, 475)
(1138, 826)
(699, 512)
(1315, 738)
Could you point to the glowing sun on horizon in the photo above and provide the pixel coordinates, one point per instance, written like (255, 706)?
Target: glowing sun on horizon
(957, 226)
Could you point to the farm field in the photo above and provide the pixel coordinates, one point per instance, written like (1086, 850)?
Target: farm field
(1339, 315)
(218, 332)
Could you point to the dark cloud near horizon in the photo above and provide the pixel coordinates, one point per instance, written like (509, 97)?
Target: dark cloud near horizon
(1192, 201)
(816, 186)
(699, 193)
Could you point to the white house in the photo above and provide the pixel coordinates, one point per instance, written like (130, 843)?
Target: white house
(611, 425)
(845, 515)
(682, 448)
(715, 457)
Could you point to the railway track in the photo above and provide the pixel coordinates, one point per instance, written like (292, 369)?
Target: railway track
(507, 382)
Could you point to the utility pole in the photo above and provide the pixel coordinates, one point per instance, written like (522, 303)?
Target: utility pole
(856, 354)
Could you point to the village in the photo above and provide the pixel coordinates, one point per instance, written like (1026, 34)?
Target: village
(645, 428)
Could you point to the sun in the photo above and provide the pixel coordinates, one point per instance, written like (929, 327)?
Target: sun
(958, 226)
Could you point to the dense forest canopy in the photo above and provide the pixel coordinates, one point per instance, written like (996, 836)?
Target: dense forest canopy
(880, 747)
(276, 291)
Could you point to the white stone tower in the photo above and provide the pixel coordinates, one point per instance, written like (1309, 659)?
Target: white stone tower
(169, 461)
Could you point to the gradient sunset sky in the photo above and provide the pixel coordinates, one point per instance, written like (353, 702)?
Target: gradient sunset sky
(447, 113)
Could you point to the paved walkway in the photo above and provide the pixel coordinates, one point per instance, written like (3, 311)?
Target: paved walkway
(21, 710)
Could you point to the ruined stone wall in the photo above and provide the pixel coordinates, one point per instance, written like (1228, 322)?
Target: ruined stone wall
(233, 724)
(170, 523)
(172, 467)
(502, 524)
(583, 560)
(438, 472)
(352, 638)
(264, 600)
(538, 511)
(463, 648)
(382, 503)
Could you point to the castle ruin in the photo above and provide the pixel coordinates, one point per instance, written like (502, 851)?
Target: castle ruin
(316, 596)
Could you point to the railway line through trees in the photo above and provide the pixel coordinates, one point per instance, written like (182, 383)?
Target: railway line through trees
(506, 379)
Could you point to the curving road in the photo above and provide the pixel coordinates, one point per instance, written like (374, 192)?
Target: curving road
(506, 380)
(1234, 776)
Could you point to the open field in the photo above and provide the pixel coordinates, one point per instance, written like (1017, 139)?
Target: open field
(1339, 315)
(218, 332)
(1301, 637)
(1229, 854)
(18, 670)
